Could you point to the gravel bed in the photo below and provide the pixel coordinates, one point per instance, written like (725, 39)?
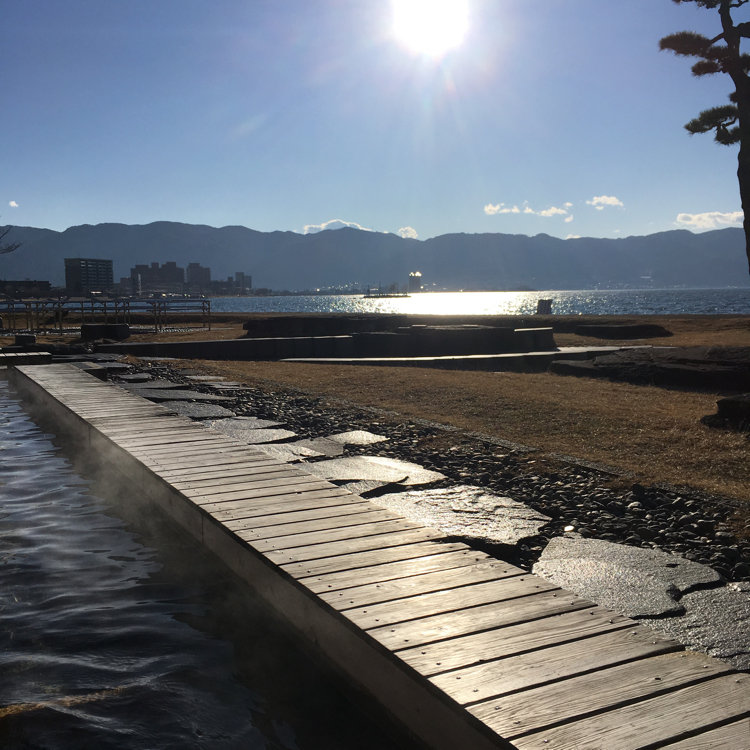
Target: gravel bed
(594, 502)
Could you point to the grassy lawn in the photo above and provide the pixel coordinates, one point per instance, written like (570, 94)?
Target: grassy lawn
(654, 433)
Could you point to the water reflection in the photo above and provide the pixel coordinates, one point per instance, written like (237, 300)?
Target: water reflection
(112, 637)
(586, 302)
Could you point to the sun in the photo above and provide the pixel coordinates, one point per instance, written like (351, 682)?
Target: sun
(430, 27)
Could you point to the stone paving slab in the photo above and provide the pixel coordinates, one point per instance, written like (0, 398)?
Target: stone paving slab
(167, 394)
(716, 621)
(356, 468)
(135, 377)
(323, 446)
(158, 383)
(240, 425)
(633, 581)
(467, 511)
(261, 435)
(289, 452)
(356, 437)
(367, 486)
(196, 410)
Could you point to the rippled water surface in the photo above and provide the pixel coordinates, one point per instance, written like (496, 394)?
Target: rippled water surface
(115, 638)
(586, 302)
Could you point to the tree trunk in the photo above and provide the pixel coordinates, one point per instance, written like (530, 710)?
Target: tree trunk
(733, 38)
(743, 176)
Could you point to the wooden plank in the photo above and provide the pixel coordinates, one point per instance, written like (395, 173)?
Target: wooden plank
(723, 699)
(255, 489)
(194, 448)
(347, 547)
(392, 572)
(512, 639)
(227, 461)
(485, 617)
(367, 514)
(117, 429)
(249, 480)
(167, 441)
(367, 534)
(212, 478)
(729, 737)
(406, 551)
(292, 516)
(237, 477)
(172, 464)
(437, 602)
(124, 415)
(278, 501)
(176, 466)
(125, 410)
(127, 426)
(530, 710)
(440, 580)
(171, 437)
(490, 679)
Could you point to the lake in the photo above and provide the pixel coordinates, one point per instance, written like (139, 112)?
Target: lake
(734, 301)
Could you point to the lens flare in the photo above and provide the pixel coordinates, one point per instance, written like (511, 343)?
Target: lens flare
(430, 27)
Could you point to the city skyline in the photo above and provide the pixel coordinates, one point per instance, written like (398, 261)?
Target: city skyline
(539, 116)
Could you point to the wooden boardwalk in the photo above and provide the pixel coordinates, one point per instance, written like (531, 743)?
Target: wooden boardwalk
(464, 650)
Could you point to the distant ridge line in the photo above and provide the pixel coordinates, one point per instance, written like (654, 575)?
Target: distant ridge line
(348, 256)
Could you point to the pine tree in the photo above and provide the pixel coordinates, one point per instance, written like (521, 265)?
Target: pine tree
(729, 123)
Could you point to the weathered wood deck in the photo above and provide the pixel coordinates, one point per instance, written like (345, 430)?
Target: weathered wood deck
(464, 650)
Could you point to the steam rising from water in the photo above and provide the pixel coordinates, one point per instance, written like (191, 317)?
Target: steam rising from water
(106, 642)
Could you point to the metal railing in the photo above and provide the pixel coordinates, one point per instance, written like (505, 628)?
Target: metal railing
(40, 314)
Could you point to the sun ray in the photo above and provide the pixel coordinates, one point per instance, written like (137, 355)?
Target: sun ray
(430, 27)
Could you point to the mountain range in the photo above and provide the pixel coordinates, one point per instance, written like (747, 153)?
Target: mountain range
(292, 261)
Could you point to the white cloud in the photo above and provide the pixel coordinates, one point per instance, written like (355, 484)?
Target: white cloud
(500, 208)
(573, 237)
(492, 209)
(408, 233)
(553, 211)
(568, 219)
(599, 202)
(709, 219)
(13, 204)
(333, 224)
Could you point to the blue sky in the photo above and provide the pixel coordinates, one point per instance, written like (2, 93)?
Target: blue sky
(556, 116)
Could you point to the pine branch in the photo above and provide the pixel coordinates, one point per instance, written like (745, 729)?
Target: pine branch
(686, 43)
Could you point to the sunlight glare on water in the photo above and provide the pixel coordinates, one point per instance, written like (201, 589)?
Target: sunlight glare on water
(584, 302)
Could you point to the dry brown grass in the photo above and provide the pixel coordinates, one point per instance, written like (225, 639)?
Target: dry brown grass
(686, 330)
(654, 433)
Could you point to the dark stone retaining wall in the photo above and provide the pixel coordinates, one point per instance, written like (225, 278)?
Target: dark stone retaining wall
(412, 341)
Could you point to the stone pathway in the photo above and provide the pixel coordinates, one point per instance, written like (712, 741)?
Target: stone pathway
(683, 599)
